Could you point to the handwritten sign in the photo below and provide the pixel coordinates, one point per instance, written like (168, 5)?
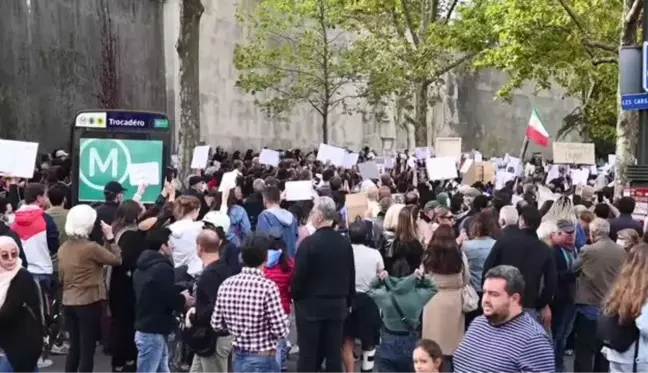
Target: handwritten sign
(448, 147)
(573, 153)
(19, 158)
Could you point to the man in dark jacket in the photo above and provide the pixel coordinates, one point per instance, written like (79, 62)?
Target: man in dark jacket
(625, 220)
(156, 299)
(323, 287)
(114, 195)
(254, 203)
(197, 188)
(522, 249)
(214, 273)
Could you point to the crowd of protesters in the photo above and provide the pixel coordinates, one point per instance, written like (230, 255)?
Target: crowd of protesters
(433, 276)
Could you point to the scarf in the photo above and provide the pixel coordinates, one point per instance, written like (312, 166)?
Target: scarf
(5, 280)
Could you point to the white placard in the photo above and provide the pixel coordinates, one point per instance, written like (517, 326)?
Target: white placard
(369, 170)
(478, 156)
(200, 157)
(466, 166)
(574, 153)
(554, 173)
(144, 173)
(18, 158)
(422, 153)
(350, 160)
(269, 157)
(501, 178)
(448, 147)
(515, 166)
(579, 176)
(328, 153)
(612, 159)
(175, 161)
(441, 168)
(299, 190)
(228, 181)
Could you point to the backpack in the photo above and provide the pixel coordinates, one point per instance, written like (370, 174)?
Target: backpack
(615, 335)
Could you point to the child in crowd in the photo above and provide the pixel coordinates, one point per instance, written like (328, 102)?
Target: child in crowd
(427, 357)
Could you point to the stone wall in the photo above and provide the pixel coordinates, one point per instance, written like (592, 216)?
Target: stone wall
(52, 63)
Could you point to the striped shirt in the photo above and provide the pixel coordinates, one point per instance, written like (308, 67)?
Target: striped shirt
(519, 345)
(248, 307)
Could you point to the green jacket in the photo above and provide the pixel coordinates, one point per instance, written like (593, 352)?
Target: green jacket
(59, 215)
(409, 292)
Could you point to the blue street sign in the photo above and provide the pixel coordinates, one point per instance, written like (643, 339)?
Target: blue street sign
(634, 102)
(644, 66)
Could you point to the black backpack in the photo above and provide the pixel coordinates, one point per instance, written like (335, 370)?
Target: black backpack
(618, 336)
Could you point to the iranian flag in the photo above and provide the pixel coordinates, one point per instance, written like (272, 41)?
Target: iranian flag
(536, 131)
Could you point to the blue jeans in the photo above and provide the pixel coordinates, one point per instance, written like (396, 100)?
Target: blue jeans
(251, 362)
(152, 352)
(395, 352)
(282, 353)
(563, 323)
(5, 367)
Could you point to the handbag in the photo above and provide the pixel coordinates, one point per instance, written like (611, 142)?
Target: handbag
(615, 335)
(469, 299)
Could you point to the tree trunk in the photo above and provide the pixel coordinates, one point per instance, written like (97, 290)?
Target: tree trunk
(627, 121)
(325, 134)
(188, 53)
(421, 113)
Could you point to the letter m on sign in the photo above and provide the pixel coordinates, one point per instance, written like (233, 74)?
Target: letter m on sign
(96, 161)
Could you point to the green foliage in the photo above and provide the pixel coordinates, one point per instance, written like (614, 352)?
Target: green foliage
(297, 53)
(570, 43)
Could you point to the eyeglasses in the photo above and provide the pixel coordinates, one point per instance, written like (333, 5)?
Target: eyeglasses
(7, 256)
(448, 217)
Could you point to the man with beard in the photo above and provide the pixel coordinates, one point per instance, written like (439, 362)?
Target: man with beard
(504, 338)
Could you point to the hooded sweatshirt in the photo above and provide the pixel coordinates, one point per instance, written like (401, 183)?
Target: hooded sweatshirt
(277, 218)
(156, 297)
(409, 292)
(39, 236)
(183, 240)
(240, 225)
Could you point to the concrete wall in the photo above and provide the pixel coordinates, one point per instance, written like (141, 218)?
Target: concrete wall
(51, 62)
(230, 118)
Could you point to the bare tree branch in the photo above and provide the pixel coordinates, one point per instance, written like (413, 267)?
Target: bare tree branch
(450, 10)
(410, 23)
(600, 45)
(449, 67)
(635, 11)
(585, 39)
(604, 60)
(295, 71)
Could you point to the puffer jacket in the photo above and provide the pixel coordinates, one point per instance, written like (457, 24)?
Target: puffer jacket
(274, 272)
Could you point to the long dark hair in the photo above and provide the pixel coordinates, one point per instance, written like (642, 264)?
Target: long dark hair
(405, 228)
(443, 255)
(127, 214)
(484, 225)
(279, 244)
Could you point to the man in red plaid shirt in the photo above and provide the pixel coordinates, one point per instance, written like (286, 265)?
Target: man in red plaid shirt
(249, 308)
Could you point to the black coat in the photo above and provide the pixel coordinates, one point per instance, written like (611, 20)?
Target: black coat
(121, 296)
(253, 205)
(156, 297)
(21, 326)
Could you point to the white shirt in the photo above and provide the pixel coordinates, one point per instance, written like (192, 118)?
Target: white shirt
(183, 239)
(368, 262)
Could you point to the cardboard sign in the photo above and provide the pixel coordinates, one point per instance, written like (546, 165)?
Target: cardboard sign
(573, 153)
(357, 205)
(484, 172)
(448, 147)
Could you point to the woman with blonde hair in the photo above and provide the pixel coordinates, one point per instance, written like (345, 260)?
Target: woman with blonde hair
(81, 272)
(627, 301)
(628, 238)
(390, 223)
(184, 233)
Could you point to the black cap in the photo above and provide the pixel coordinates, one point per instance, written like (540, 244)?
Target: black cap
(195, 179)
(114, 187)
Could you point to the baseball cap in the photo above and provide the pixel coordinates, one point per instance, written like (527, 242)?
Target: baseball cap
(195, 179)
(114, 187)
(217, 219)
(566, 226)
(60, 154)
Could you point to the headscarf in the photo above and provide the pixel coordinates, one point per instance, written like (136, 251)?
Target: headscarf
(7, 276)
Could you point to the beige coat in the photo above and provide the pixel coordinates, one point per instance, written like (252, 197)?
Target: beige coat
(443, 319)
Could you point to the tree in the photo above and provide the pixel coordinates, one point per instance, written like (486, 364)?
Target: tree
(411, 46)
(298, 54)
(571, 43)
(188, 53)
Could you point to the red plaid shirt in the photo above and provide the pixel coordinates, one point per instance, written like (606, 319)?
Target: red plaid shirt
(249, 308)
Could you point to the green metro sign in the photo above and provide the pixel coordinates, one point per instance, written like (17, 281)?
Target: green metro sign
(105, 160)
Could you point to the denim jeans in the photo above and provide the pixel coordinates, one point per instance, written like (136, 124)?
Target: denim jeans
(245, 362)
(563, 323)
(152, 352)
(283, 349)
(395, 352)
(5, 367)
